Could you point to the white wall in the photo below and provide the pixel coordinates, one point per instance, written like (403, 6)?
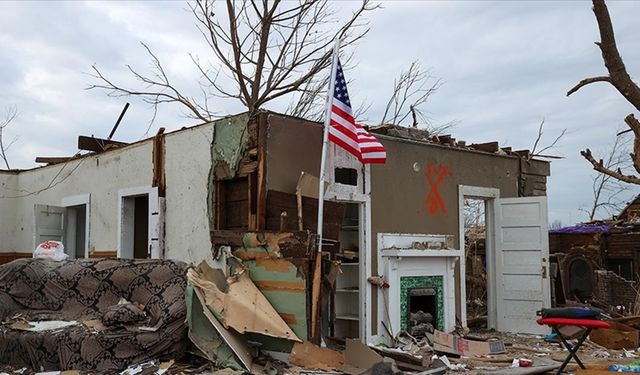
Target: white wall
(8, 188)
(187, 164)
(188, 160)
(99, 175)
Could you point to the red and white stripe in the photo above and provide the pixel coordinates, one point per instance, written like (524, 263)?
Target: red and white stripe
(345, 132)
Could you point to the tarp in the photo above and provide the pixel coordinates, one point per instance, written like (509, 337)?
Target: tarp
(582, 229)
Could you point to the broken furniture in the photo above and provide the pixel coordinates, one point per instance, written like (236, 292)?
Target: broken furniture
(589, 324)
(83, 291)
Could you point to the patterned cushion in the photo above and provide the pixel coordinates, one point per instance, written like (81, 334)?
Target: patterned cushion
(85, 289)
(123, 313)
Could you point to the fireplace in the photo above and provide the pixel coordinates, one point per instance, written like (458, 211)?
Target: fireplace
(421, 294)
(422, 311)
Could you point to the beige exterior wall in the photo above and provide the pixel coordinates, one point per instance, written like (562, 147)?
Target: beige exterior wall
(187, 163)
(99, 175)
(8, 188)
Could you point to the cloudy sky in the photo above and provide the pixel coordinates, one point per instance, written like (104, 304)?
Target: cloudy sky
(506, 66)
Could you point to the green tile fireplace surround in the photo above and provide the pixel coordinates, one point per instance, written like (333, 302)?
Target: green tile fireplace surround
(410, 282)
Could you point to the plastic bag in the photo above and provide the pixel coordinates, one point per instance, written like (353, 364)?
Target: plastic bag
(53, 250)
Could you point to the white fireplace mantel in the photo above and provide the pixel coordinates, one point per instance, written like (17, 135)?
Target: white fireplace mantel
(397, 259)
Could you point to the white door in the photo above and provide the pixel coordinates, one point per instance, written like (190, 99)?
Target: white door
(522, 263)
(49, 225)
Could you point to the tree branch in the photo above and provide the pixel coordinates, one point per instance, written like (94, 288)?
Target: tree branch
(599, 166)
(587, 81)
(612, 60)
(10, 115)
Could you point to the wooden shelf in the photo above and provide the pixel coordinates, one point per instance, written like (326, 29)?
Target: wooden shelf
(348, 317)
(350, 228)
(421, 253)
(348, 290)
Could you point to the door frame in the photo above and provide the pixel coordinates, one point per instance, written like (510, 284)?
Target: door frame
(360, 194)
(489, 196)
(153, 219)
(79, 200)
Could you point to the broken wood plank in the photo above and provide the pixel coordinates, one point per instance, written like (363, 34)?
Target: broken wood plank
(277, 202)
(261, 203)
(486, 147)
(97, 144)
(247, 168)
(309, 356)
(158, 179)
(53, 159)
(521, 370)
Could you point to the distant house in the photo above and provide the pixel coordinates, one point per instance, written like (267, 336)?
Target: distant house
(599, 261)
(245, 188)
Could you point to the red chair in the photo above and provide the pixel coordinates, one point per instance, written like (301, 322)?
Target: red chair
(589, 324)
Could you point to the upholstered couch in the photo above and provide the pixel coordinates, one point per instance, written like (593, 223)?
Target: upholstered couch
(83, 291)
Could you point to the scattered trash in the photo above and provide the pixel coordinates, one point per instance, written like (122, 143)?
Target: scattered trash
(448, 343)
(313, 357)
(50, 325)
(619, 336)
(53, 250)
(633, 367)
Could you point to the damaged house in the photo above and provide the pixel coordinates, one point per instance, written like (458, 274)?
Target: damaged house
(243, 191)
(598, 262)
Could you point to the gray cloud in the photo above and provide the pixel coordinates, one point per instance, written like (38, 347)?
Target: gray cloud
(505, 65)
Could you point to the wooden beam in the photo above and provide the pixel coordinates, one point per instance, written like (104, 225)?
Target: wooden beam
(486, 147)
(53, 159)
(261, 203)
(97, 144)
(158, 179)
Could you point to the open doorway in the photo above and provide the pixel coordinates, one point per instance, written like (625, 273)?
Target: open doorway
(134, 227)
(75, 243)
(475, 235)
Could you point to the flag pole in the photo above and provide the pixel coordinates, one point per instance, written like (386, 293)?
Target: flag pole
(315, 287)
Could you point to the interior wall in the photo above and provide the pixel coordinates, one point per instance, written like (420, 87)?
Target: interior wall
(427, 199)
(293, 146)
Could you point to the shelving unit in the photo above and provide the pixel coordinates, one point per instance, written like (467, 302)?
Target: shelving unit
(346, 301)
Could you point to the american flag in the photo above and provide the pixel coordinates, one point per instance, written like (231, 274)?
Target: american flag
(345, 132)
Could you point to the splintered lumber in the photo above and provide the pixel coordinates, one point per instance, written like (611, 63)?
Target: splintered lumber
(97, 144)
(487, 147)
(53, 159)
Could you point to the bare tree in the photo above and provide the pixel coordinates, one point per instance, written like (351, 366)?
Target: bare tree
(267, 48)
(9, 116)
(556, 224)
(309, 102)
(620, 79)
(538, 150)
(608, 192)
(411, 89)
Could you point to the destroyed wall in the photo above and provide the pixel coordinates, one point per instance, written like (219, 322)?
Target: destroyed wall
(427, 199)
(8, 187)
(614, 290)
(101, 175)
(182, 170)
(187, 164)
(293, 146)
(416, 191)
